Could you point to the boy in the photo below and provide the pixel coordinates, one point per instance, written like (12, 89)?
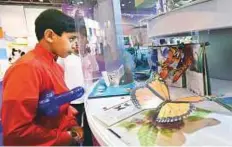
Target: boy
(34, 73)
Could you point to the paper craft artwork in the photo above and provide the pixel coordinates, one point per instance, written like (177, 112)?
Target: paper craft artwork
(175, 61)
(140, 130)
(169, 113)
(185, 66)
(197, 79)
(1, 33)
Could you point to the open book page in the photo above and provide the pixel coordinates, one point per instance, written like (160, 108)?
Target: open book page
(112, 113)
(198, 130)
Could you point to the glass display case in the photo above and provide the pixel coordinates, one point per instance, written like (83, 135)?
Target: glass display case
(186, 90)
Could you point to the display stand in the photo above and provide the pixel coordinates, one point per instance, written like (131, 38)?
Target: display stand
(107, 138)
(197, 71)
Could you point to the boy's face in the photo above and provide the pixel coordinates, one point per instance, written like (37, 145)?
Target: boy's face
(68, 42)
(62, 45)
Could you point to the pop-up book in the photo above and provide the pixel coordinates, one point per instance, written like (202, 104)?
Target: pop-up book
(176, 116)
(185, 66)
(165, 121)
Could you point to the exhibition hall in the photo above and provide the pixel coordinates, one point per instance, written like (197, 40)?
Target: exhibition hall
(115, 72)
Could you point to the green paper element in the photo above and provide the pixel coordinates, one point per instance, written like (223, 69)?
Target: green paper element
(128, 125)
(194, 118)
(147, 135)
(201, 113)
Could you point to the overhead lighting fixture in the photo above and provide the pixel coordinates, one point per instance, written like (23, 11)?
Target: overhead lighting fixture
(123, 5)
(129, 2)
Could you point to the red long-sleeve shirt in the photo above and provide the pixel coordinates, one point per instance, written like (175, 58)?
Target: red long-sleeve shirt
(34, 73)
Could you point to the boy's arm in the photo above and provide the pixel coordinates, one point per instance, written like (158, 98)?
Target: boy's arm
(20, 99)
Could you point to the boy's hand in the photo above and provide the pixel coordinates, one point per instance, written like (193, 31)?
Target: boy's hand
(77, 133)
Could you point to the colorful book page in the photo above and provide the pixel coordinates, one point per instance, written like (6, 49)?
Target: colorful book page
(201, 128)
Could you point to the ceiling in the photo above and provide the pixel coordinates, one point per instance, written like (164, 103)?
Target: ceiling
(57, 3)
(127, 6)
(130, 8)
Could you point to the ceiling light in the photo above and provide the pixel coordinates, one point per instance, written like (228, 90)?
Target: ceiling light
(129, 2)
(123, 5)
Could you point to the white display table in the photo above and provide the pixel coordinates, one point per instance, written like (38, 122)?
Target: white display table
(100, 131)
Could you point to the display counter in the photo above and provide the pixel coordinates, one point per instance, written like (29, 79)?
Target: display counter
(107, 138)
(99, 130)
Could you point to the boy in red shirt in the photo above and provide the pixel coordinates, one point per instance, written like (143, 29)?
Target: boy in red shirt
(34, 73)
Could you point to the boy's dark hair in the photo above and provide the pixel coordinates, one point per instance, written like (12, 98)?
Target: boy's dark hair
(55, 20)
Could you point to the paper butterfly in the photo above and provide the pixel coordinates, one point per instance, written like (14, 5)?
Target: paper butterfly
(168, 111)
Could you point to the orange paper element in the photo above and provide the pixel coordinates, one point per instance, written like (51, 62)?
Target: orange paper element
(1, 32)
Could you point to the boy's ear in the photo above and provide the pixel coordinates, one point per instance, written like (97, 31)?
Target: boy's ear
(49, 35)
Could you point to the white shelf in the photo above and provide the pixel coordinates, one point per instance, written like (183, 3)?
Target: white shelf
(207, 15)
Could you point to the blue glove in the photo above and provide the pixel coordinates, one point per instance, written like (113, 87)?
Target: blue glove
(49, 103)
